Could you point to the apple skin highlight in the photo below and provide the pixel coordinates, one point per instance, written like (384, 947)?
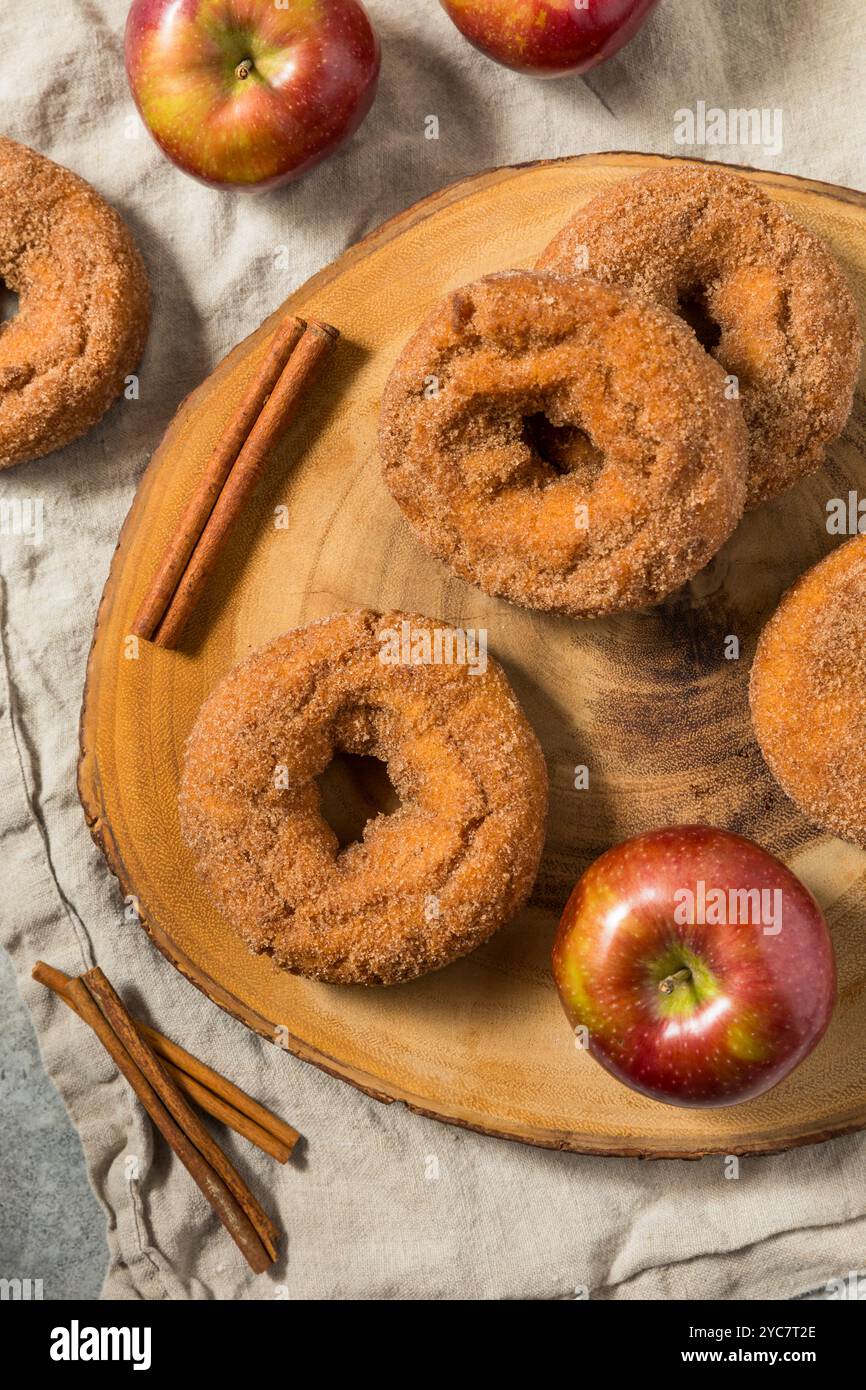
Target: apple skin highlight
(696, 1013)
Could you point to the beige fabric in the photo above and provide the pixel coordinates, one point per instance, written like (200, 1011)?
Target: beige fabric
(363, 1219)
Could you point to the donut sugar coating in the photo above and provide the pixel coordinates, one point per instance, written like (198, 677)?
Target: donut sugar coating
(763, 292)
(427, 883)
(84, 305)
(562, 444)
(808, 692)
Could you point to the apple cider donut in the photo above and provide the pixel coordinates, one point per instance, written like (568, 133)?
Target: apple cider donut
(427, 883)
(808, 692)
(764, 294)
(83, 308)
(562, 444)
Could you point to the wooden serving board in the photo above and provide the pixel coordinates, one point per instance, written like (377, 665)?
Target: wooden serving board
(647, 702)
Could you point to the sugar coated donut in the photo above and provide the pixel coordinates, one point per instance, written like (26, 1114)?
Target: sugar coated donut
(83, 308)
(562, 444)
(808, 692)
(427, 883)
(763, 292)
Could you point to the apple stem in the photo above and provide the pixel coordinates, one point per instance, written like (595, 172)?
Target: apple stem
(670, 982)
(243, 70)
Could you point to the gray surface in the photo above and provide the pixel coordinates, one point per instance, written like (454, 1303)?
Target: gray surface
(51, 1225)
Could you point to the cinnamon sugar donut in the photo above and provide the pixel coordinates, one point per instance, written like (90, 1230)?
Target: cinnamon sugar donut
(83, 305)
(808, 692)
(765, 294)
(562, 444)
(429, 882)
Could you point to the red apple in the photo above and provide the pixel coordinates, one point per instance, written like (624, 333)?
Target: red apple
(700, 967)
(250, 93)
(549, 38)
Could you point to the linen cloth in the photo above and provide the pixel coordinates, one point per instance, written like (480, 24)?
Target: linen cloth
(363, 1220)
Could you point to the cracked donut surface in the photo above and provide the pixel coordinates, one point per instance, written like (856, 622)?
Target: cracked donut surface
(84, 306)
(808, 692)
(562, 444)
(764, 293)
(428, 882)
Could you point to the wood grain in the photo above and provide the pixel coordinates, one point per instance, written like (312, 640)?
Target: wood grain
(648, 702)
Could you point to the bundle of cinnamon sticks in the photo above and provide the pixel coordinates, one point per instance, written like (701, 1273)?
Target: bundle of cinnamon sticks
(272, 400)
(161, 1073)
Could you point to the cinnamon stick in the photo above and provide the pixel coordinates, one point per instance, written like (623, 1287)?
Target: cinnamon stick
(285, 1134)
(123, 1027)
(227, 1115)
(201, 503)
(213, 1093)
(224, 1203)
(280, 409)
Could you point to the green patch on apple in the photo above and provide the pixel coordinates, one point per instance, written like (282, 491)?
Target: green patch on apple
(687, 994)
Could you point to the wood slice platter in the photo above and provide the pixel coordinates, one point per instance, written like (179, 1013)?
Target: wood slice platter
(649, 703)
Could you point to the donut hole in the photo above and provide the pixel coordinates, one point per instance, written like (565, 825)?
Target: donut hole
(693, 308)
(562, 450)
(353, 789)
(8, 303)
